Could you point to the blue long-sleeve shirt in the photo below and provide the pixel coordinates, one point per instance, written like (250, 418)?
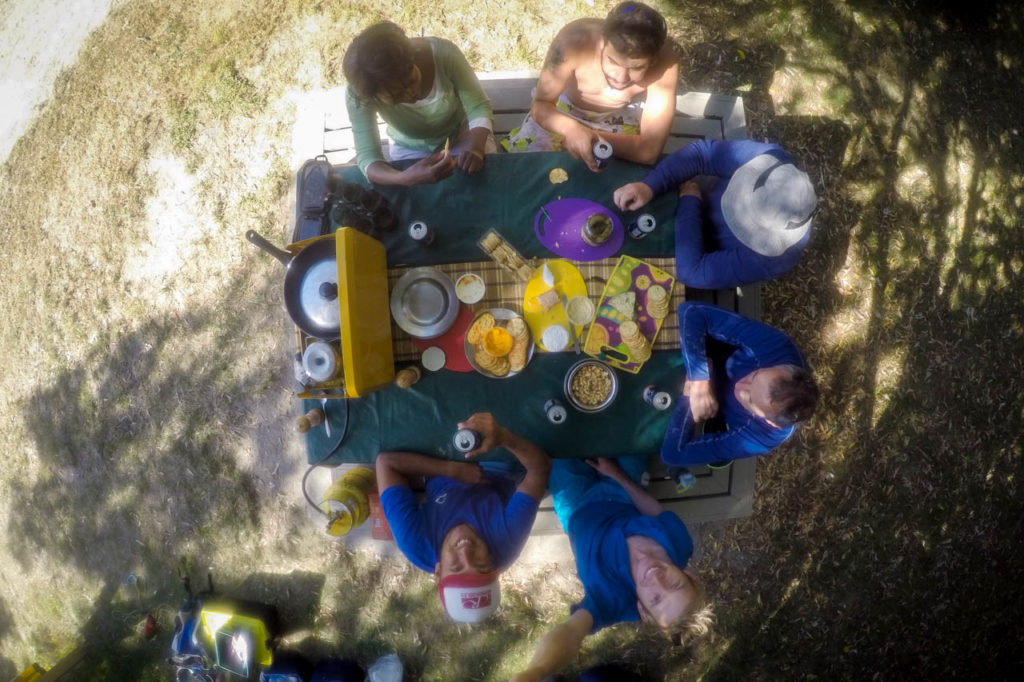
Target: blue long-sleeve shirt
(722, 261)
(756, 346)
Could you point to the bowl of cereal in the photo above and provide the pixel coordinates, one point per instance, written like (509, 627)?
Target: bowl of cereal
(591, 385)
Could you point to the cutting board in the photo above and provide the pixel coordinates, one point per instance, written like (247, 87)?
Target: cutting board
(603, 340)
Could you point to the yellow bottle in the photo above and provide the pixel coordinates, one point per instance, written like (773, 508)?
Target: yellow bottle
(346, 502)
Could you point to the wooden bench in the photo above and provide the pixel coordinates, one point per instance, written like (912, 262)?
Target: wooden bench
(719, 493)
(699, 115)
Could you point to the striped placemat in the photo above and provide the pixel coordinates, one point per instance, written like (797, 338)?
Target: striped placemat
(505, 290)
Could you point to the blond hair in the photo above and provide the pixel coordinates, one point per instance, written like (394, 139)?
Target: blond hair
(696, 621)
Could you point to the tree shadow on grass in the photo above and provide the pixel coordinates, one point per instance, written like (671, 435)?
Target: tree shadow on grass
(886, 536)
(7, 669)
(135, 441)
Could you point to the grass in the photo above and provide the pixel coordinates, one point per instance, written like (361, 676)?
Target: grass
(144, 417)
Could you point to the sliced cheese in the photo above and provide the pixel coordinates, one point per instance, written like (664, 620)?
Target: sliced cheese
(625, 303)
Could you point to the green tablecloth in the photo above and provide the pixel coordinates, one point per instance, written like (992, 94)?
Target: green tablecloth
(505, 196)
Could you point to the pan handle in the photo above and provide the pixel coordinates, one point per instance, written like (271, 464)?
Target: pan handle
(257, 239)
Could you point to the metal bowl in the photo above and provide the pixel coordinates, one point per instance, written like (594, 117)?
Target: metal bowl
(424, 304)
(612, 393)
(501, 315)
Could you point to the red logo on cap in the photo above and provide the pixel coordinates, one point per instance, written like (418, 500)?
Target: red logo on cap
(476, 600)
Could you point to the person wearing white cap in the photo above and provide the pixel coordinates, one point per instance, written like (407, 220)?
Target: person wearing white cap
(473, 520)
(751, 224)
(631, 555)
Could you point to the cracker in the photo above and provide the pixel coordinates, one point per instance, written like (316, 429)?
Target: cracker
(501, 367)
(475, 335)
(490, 242)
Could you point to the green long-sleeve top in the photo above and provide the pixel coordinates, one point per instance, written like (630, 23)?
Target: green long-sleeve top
(425, 124)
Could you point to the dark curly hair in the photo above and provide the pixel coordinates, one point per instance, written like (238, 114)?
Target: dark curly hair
(377, 61)
(796, 396)
(635, 30)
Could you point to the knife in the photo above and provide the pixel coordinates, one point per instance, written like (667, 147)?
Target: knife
(572, 327)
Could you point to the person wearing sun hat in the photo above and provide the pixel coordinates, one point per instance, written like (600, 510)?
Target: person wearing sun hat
(474, 519)
(748, 221)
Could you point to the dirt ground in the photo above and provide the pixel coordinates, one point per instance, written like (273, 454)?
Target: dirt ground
(37, 40)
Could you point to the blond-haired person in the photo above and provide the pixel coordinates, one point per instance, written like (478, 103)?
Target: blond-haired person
(631, 556)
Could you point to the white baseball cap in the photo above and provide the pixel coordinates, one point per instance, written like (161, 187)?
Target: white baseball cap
(470, 597)
(768, 204)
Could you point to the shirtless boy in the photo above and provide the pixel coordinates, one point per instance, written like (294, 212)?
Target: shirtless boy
(593, 86)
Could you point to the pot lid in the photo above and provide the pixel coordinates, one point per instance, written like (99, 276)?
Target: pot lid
(318, 294)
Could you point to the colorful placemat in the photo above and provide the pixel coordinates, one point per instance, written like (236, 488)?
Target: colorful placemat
(603, 340)
(558, 226)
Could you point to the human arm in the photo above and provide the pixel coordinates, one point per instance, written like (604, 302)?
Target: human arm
(696, 267)
(718, 158)
(762, 343)
(578, 139)
(682, 448)
(702, 400)
(558, 647)
(475, 103)
(472, 160)
(534, 460)
(433, 168)
(645, 503)
(397, 468)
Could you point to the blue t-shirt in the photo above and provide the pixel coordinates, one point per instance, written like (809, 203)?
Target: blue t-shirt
(598, 535)
(501, 516)
(755, 346)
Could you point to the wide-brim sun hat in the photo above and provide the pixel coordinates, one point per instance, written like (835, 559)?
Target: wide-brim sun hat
(768, 204)
(470, 597)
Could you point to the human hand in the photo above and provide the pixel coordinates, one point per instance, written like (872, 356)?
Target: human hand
(492, 434)
(689, 189)
(580, 143)
(632, 196)
(470, 161)
(703, 405)
(433, 168)
(465, 472)
(605, 466)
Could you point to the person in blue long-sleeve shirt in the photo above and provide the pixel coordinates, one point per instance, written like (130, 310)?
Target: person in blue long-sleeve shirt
(758, 211)
(763, 389)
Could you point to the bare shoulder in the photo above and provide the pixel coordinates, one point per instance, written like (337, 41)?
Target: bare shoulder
(575, 41)
(663, 66)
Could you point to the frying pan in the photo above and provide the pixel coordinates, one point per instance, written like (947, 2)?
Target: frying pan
(310, 285)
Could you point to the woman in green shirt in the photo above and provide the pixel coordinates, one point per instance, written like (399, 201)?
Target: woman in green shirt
(428, 95)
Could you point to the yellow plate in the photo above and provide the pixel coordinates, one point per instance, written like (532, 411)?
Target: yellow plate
(568, 281)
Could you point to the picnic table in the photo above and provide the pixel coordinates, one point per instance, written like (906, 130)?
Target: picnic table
(505, 197)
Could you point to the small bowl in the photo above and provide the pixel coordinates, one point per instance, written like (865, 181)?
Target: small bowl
(580, 310)
(612, 392)
(470, 288)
